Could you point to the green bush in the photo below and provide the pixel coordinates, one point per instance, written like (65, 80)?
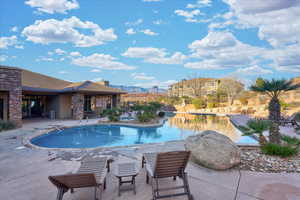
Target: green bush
(291, 140)
(212, 104)
(7, 125)
(278, 150)
(145, 116)
(259, 126)
(198, 103)
(112, 114)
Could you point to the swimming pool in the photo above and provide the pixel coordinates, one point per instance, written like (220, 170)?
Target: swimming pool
(175, 128)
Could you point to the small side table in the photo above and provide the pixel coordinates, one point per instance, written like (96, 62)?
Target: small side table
(126, 170)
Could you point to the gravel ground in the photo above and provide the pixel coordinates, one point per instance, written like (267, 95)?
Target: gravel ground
(255, 160)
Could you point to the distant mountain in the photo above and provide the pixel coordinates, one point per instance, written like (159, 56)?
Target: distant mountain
(135, 89)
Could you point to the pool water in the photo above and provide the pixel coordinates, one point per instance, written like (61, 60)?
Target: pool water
(175, 128)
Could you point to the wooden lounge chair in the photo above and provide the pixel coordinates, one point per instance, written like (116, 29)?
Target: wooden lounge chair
(164, 165)
(92, 173)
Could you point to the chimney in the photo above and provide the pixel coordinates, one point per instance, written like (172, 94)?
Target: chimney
(104, 83)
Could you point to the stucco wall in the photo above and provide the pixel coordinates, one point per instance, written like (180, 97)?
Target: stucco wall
(65, 106)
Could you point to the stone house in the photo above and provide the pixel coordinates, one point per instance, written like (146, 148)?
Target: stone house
(25, 94)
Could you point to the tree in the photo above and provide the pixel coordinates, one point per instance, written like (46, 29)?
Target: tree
(274, 89)
(231, 88)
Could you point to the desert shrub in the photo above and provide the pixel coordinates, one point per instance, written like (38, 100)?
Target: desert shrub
(145, 116)
(161, 114)
(279, 150)
(283, 105)
(259, 126)
(112, 114)
(297, 117)
(7, 125)
(291, 140)
(211, 104)
(198, 103)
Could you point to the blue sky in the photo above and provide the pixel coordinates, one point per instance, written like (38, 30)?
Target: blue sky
(152, 42)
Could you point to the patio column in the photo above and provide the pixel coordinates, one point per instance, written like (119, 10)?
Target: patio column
(77, 106)
(10, 81)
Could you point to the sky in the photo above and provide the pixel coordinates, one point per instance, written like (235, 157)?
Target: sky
(152, 42)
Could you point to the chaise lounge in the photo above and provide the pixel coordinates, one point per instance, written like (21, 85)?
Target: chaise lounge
(164, 165)
(92, 173)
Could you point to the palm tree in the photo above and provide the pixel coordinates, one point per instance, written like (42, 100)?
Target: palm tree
(274, 88)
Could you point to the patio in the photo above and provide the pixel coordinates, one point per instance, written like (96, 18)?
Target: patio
(24, 172)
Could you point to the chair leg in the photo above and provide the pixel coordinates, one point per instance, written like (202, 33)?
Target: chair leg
(95, 193)
(147, 178)
(104, 184)
(186, 186)
(153, 189)
(60, 194)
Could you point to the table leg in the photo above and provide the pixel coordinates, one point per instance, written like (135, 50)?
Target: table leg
(120, 183)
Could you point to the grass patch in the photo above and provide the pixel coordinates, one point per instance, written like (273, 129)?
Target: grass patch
(6, 125)
(291, 140)
(278, 150)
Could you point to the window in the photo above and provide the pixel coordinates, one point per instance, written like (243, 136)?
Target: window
(87, 103)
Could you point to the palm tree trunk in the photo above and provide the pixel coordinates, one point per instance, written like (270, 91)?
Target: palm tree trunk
(274, 116)
(274, 136)
(274, 109)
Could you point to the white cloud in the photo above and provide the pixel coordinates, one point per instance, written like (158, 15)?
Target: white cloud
(59, 51)
(75, 54)
(14, 29)
(130, 31)
(53, 6)
(199, 4)
(158, 22)
(63, 72)
(66, 30)
(161, 84)
(276, 20)
(3, 58)
(142, 76)
(134, 23)
(149, 32)
(221, 50)
(253, 70)
(190, 15)
(101, 61)
(5, 42)
(154, 55)
(95, 70)
(42, 58)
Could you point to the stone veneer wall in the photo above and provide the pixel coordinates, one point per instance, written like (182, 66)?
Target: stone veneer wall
(77, 106)
(10, 81)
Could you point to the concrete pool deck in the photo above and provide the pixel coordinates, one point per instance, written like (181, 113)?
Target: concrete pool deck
(24, 172)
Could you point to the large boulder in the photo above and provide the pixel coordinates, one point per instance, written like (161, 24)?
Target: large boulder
(213, 150)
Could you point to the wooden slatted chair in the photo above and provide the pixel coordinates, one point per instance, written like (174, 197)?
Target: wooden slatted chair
(92, 173)
(164, 165)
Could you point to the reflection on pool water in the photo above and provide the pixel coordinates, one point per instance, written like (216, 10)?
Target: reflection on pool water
(176, 128)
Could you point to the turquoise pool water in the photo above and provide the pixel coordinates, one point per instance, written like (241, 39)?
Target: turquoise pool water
(176, 128)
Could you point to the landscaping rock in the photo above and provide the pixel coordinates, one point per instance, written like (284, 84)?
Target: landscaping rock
(213, 150)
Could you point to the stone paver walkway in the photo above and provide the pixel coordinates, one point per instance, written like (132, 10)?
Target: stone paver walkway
(24, 172)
